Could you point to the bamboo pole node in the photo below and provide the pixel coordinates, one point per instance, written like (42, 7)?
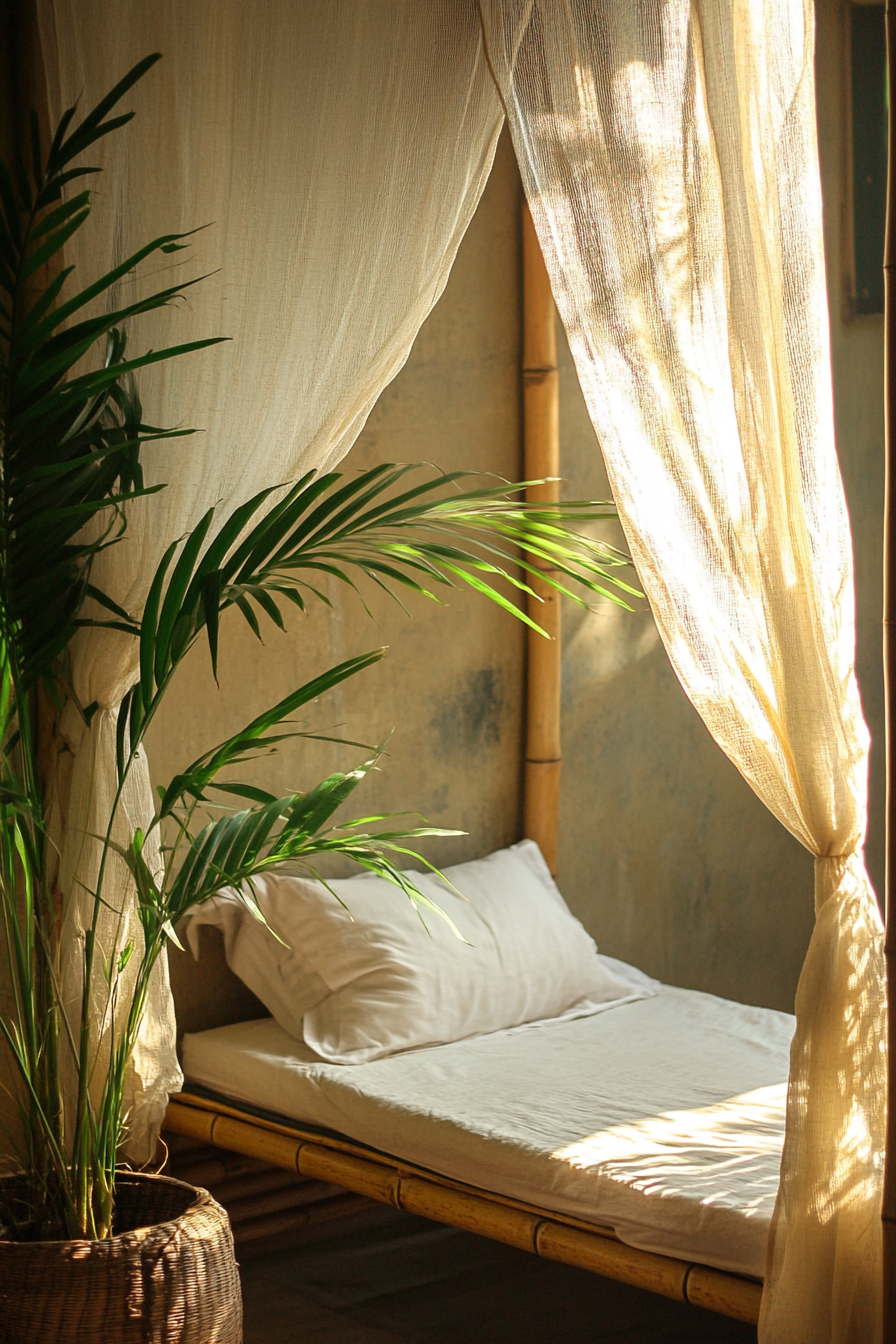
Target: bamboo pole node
(541, 382)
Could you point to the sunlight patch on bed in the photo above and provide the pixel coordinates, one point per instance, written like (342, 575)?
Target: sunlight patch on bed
(711, 1150)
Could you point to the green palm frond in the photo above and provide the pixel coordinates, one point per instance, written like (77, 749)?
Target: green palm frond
(429, 534)
(252, 740)
(69, 443)
(230, 851)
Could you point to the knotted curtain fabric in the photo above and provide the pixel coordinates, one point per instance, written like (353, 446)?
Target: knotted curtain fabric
(336, 151)
(668, 150)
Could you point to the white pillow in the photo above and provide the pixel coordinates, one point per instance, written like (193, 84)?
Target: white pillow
(366, 979)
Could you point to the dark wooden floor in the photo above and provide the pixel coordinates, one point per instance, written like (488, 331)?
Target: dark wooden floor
(386, 1278)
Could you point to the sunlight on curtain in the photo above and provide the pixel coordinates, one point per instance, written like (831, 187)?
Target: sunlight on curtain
(669, 156)
(337, 152)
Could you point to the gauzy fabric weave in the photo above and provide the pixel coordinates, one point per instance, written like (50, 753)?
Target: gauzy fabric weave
(669, 156)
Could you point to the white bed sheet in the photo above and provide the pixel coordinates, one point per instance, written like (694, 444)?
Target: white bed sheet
(663, 1118)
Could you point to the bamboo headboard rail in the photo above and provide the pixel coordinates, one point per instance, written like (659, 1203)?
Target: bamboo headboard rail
(541, 459)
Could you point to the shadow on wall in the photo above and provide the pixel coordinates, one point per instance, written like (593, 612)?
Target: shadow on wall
(470, 722)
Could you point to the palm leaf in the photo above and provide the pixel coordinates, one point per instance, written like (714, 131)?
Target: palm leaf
(256, 736)
(326, 525)
(69, 443)
(232, 850)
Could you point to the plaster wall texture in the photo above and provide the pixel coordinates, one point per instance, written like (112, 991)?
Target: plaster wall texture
(665, 853)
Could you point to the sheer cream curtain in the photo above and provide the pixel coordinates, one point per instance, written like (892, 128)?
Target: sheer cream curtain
(669, 156)
(337, 151)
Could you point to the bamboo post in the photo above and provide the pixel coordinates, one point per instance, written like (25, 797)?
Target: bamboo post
(889, 1200)
(541, 459)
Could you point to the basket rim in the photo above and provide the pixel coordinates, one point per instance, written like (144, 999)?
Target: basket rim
(201, 1199)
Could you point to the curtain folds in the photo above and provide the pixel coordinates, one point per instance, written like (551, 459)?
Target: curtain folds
(669, 157)
(336, 152)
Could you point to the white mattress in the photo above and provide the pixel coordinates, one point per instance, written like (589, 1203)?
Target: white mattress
(662, 1118)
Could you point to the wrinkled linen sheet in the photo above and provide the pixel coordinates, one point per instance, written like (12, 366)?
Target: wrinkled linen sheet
(663, 1118)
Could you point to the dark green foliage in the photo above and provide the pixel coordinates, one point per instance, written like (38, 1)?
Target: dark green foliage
(69, 443)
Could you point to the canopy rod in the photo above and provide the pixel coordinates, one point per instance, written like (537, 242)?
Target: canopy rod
(541, 459)
(889, 1199)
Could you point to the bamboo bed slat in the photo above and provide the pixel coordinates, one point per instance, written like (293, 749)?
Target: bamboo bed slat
(387, 1180)
(277, 1224)
(471, 1213)
(725, 1294)
(365, 1178)
(183, 1117)
(613, 1260)
(276, 1149)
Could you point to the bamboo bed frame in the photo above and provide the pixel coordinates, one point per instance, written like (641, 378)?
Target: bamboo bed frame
(554, 1236)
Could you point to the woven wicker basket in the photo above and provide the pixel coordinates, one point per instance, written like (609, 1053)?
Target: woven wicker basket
(169, 1277)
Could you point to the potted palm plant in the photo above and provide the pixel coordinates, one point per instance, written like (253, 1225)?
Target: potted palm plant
(87, 1248)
